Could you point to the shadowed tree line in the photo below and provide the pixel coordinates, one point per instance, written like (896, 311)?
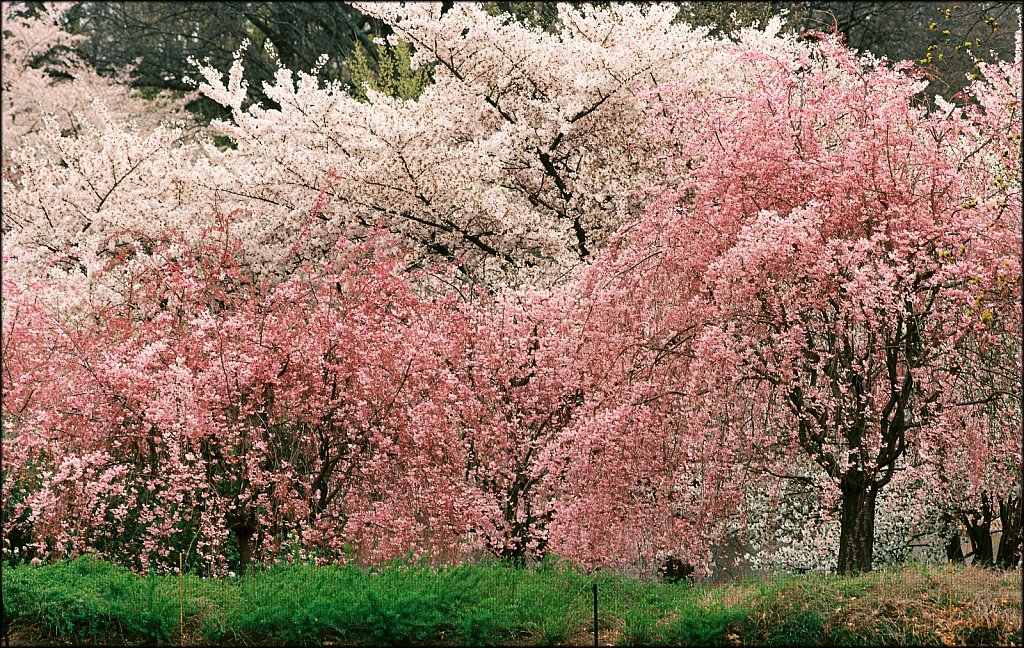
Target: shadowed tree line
(158, 37)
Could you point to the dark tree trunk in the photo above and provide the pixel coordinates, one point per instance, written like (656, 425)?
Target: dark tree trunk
(673, 570)
(979, 530)
(1010, 541)
(243, 529)
(244, 538)
(857, 533)
(954, 549)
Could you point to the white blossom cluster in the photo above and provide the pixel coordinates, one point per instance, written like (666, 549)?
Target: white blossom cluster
(518, 161)
(66, 89)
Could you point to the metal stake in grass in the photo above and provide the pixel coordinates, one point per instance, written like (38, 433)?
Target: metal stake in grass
(951, 590)
(181, 601)
(595, 614)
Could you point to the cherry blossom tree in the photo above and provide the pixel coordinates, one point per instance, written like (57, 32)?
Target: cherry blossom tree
(517, 161)
(835, 237)
(91, 195)
(976, 485)
(574, 442)
(985, 474)
(109, 200)
(204, 411)
(84, 159)
(633, 468)
(605, 291)
(527, 381)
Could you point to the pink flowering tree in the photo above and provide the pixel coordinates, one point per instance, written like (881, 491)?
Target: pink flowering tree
(975, 484)
(835, 238)
(574, 445)
(653, 470)
(820, 285)
(203, 411)
(525, 378)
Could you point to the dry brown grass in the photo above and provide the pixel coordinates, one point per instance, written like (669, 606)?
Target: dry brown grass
(914, 605)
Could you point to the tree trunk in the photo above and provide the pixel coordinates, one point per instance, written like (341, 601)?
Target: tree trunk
(244, 537)
(954, 550)
(1010, 541)
(979, 531)
(673, 570)
(241, 526)
(857, 533)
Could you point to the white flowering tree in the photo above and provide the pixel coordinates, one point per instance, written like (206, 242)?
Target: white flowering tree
(518, 161)
(42, 77)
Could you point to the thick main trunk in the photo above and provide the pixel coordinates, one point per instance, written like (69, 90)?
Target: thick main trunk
(979, 532)
(1010, 541)
(954, 550)
(242, 528)
(857, 531)
(244, 552)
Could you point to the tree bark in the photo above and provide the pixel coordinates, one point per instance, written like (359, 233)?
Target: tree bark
(954, 550)
(243, 530)
(980, 533)
(857, 533)
(1010, 541)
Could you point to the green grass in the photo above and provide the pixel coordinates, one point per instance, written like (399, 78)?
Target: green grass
(86, 601)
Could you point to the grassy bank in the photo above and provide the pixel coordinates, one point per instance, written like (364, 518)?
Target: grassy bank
(88, 601)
